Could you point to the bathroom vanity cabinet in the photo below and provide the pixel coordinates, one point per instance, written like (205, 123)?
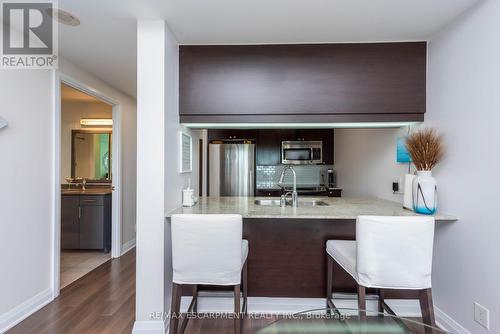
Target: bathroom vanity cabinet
(86, 221)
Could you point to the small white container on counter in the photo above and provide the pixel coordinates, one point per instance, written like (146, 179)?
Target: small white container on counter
(188, 197)
(408, 192)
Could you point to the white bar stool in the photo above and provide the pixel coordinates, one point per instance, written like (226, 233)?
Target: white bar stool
(208, 250)
(389, 253)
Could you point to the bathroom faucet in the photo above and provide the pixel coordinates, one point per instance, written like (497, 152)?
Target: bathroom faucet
(294, 194)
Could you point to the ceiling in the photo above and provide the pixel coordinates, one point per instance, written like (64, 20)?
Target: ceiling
(72, 95)
(105, 42)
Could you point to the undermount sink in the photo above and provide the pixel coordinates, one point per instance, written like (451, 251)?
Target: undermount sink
(302, 202)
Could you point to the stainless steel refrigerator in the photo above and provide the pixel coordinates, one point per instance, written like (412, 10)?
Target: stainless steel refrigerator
(231, 169)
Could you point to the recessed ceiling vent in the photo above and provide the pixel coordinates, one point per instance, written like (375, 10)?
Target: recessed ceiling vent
(64, 17)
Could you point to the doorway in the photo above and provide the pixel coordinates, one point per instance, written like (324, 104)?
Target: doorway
(87, 222)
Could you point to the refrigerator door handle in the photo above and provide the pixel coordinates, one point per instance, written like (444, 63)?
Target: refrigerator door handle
(250, 180)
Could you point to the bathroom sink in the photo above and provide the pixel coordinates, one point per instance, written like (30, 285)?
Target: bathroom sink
(302, 202)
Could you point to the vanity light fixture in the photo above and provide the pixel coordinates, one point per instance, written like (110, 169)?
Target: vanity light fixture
(96, 121)
(3, 123)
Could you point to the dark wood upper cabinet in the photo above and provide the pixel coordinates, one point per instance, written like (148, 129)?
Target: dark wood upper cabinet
(229, 134)
(269, 143)
(268, 148)
(303, 83)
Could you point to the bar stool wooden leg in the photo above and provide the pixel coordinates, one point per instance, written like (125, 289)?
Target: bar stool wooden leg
(329, 279)
(381, 300)
(237, 328)
(427, 307)
(362, 301)
(195, 298)
(245, 288)
(175, 307)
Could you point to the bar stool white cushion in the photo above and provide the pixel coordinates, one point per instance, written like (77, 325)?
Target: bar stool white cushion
(393, 252)
(244, 251)
(208, 249)
(344, 253)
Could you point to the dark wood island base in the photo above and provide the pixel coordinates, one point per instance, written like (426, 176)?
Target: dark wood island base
(287, 258)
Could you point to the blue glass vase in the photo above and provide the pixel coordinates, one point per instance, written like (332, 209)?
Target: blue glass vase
(424, 193)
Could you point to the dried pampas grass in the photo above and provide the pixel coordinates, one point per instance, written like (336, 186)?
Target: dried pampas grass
(426, 148)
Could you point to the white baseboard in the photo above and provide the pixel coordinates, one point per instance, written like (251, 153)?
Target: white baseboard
(128, 246)
(150, 327)
(223, 302)
(448, 323)
(12, 317)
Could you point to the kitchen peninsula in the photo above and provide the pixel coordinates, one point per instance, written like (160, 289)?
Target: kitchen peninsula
(287, 245)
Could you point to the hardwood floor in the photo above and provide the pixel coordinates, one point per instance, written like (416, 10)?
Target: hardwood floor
(103, 301)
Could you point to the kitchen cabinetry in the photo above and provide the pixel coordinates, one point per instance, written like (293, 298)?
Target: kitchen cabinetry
(269, 143)
(268, 147)
(308, 83)
(230, 134)
(268, 192)
(86, 222)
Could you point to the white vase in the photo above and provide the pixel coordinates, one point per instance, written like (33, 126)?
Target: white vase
(424, 193)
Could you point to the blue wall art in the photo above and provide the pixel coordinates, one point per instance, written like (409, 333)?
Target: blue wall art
(402, 155)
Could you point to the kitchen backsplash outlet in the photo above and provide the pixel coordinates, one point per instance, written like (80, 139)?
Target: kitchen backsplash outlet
(267, 176)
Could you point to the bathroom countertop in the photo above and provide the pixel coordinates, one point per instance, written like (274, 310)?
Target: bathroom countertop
(338, 208)
(88, 191)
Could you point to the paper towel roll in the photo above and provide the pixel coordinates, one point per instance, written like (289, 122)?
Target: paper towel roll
(408, 192)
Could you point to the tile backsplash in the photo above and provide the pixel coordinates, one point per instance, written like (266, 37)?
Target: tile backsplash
(268, 176)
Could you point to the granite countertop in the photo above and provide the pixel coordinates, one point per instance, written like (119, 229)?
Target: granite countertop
(88, 191)
(339, 208)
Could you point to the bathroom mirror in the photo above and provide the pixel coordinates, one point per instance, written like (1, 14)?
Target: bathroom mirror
(91, 154)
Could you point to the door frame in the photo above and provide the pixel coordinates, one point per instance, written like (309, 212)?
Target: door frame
(116, 170)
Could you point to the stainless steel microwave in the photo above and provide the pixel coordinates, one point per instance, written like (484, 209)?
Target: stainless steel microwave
(301, 152)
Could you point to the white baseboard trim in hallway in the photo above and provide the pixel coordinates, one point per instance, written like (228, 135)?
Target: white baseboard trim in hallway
(14, 316)
(128, 246)
(150, 327)
(448, 323)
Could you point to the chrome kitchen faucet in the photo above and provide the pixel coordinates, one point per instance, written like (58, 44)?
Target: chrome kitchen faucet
(295, 196)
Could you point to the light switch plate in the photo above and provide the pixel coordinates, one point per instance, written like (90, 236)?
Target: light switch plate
(482, 315)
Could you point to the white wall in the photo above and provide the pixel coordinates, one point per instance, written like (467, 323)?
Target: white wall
(129, 143)
(26, 181)
(150, 286)
(365, 161)
(174, 180)
(464, 104)
(71, 112)
(160, 183)
(26, 176)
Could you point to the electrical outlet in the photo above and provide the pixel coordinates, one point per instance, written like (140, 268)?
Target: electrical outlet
(482, 315)
(396, 185)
